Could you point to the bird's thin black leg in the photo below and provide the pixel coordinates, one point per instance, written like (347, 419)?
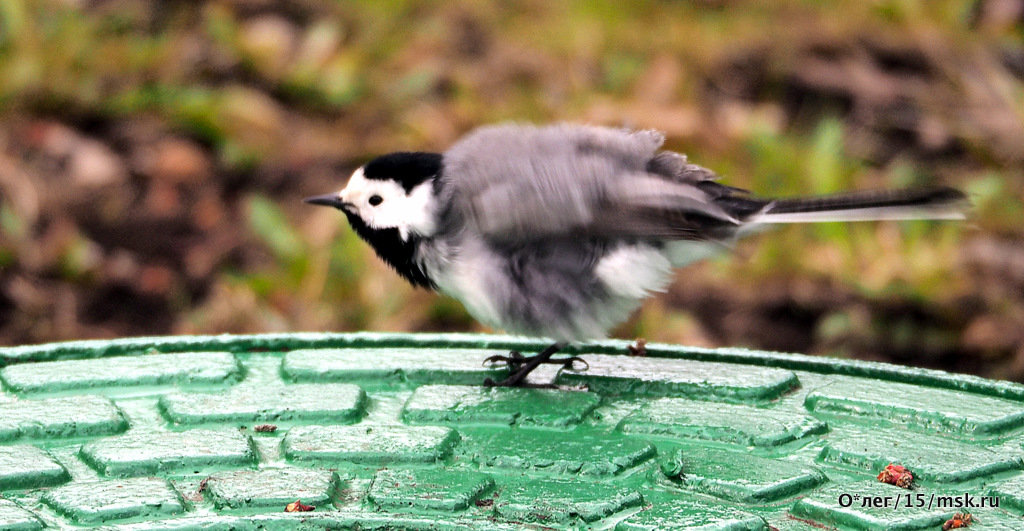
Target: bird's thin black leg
(522, 366)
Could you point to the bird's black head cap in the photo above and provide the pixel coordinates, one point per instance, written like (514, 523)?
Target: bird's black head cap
(408, 168)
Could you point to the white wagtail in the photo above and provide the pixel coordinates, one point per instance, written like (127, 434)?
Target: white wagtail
(561, 231)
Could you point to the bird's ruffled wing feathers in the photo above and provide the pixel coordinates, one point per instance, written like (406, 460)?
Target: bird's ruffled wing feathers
(676, 167)
(517, 183)
(647, 205)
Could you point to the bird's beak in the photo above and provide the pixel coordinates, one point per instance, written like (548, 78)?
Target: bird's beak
(331, 200)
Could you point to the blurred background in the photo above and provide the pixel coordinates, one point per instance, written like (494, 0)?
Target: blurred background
(153, 157)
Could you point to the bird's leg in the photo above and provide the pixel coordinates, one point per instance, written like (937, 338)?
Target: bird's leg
(513, 359)
(521, 365)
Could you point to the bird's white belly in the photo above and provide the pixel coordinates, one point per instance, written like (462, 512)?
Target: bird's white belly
(479, 280)
(465, 276)
(634, 271)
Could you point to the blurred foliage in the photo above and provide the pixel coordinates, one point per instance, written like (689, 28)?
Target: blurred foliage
(153, 154)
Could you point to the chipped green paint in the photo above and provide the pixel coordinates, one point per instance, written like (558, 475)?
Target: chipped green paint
(830, 506)
(1010, 493)
(661, 377)
(79, 416)
(337, 403)
(91, 502)
(453, 366)
(939, 410)
(931, 458)
(587, 454)
(736, 476)
(361, 520)
(726, 423)
(385, 431)
(431, 489)
(272, 488)
(553, 501)
(462, 404)
(674, 511)
(369, 444)
(153, 369)
(138, 453)
(23, 466)
(15, 518)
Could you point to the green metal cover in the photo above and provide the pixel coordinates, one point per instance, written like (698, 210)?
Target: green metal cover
(394, 431)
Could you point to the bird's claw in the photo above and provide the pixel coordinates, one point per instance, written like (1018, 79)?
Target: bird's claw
(570, 363)
(515, 359)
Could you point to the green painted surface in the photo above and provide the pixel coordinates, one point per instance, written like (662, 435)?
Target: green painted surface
(91, 502)
(382, 431)
(743, 425)
(931, 458)
(272, 488)
(461, 404)
(140, 452)
(589, 454)
(881, 511)
(737, 476)
(339, 403)
(432, 489)
(51, 418)
(153, 369)
(24, 466)
(453, 366)
(14, 518)
(369, 444)
(1011, 493)
(667, 511)
(667, 377)
(361, 520)
(938, 410)
(551, 501)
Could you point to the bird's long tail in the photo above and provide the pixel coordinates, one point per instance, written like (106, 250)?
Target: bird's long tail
(915, 203)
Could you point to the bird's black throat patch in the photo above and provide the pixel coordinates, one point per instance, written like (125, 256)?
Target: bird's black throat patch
(407, 168)
(398, 253)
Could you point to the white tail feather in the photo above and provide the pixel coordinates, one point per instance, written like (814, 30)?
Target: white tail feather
(858, 214)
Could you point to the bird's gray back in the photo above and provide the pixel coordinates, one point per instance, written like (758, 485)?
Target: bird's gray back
(541, 155)
(540, 180)
(519, 182)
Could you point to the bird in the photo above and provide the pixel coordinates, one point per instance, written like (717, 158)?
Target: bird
(562, 230)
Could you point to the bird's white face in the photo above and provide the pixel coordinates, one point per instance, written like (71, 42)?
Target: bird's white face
(384, 204)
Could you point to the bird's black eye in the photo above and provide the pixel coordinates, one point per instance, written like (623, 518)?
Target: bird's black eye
(376, 200)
